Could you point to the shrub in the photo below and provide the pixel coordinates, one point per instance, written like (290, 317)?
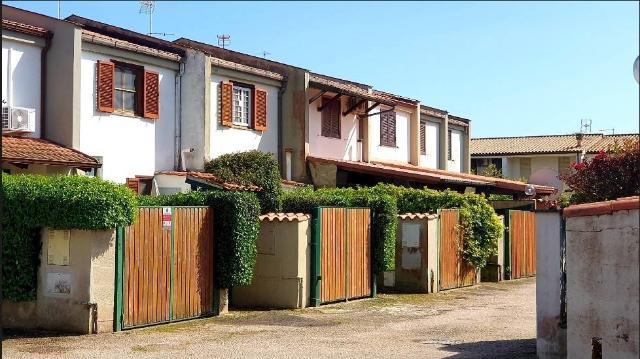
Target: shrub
(609, 175)
(236, 227)
(384, 207)
(251, 168)
(31, 202)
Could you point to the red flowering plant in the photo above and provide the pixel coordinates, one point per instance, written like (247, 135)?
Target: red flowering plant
(610, 174)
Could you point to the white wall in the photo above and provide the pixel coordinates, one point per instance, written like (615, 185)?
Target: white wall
(21, 76)
(346, 147)
(432, 135)
(400, 153)
(455, 164)
(129, 146)
(229, 140)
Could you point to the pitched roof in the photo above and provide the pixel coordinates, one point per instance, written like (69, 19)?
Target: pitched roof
(127, 35)
(432, 111)
(350, 88)
(431, 176)
(397, 98)
(23, 28)
(25, 150)
(101, 39)
(212, 179)
(526, 145)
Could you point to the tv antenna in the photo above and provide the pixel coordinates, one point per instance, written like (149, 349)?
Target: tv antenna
(585, 125)
(148, 7)
(224, 40)
(265, 54)
(613, 130)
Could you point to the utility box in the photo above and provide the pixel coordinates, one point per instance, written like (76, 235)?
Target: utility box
(417, 253)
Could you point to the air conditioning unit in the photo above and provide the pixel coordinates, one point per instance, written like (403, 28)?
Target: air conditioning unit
(18, 119)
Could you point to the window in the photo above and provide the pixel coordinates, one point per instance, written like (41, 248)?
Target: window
(241, 105)
(126, 89)
(331, 119)
(423, 138)
(388, 129)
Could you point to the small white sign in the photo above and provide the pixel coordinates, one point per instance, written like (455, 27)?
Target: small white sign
(166, 217)
(59, 284)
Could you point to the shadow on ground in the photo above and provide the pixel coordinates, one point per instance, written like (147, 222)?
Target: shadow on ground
(498, 349)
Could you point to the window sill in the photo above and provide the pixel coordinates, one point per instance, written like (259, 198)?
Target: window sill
(128, 114)
(331, 137)
(389, 146)
(242, 127)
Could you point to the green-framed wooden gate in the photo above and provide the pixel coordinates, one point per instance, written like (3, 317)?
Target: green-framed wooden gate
(341, 266)
(453, 270)
(520, 244)
(165, 267)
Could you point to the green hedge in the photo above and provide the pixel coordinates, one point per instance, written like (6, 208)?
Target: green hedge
(384, 207)
(236, 229)
(31, 202)
(252, 168)
(480, 224)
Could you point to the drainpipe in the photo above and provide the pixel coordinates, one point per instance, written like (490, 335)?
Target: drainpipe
(43, 82)
(177, 143)
(281, 159)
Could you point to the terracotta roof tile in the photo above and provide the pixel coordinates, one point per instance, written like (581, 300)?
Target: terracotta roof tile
(212, 179)
(101, 39)
(281, 217)
(417, 215)
(246, 68)
(432, 111)
(600, 208)
(333, 84)
(23, 28)
(393, 97)
(591, 143)
(294, 183)
(34, 150)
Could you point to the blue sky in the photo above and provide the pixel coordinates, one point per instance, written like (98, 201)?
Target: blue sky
(512, 68)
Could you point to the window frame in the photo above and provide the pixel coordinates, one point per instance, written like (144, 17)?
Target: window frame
(331, 106)
(384, 141)
(138, 86)
(250, 89)
(449, 151)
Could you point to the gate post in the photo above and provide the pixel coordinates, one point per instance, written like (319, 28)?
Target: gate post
(372, 225)
(117, 308)
(507, 245)
(315, 257)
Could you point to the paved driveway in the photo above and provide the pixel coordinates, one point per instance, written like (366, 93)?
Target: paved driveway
(486, 321)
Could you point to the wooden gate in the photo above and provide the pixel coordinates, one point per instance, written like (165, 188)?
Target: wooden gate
(342, 254)
(454, 271)
(521, 243)
(165, 269)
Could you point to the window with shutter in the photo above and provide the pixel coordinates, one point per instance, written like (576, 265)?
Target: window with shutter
(105, 86)
(449, 145)
(151, 95)
(388, 129)
(260, 110)
(226, 103)
(423, 138)
(331, 120)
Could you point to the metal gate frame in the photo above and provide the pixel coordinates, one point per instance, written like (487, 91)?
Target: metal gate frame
(316, 250)
(118, 308)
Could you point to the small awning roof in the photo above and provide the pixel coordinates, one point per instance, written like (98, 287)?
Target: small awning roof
(26, 150)
(210, 180)
(339, 86)
(432, 176)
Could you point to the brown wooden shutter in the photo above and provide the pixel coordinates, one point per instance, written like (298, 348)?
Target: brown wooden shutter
(388, 129)
(151, 95)
(423, 139)
(133, 184)
(259, 109)
(105, 71)
(226, 103)
(330, 120)
(449, 145)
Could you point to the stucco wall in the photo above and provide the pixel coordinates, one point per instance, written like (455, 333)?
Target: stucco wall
(229, 140)
(128, 145)
(400, 153)
(416, 266)
(551, 337)
(91, 273)
(602, 284)
(282, 272)
(21, 77)
(346, 147)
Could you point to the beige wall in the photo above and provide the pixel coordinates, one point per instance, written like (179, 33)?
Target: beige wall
(282, 272)
(417, 267)
(39, 170)
(602, 284)
(91, 273)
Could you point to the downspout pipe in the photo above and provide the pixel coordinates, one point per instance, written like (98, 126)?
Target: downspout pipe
(43, 82)
(177, 142)
(281, 156)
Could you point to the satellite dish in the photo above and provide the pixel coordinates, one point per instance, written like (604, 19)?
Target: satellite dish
(530, 190)
(636, 71)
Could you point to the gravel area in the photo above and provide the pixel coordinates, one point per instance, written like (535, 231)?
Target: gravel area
(490, 320)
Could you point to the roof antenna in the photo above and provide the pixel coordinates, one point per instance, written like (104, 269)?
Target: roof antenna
(585, 125)
(224, 40)
(265, 54)
(613, 130)
(147, 7)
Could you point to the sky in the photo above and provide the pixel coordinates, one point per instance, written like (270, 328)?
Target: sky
(513, 68)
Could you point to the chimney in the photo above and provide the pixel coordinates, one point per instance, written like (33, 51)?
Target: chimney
(579, 137)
